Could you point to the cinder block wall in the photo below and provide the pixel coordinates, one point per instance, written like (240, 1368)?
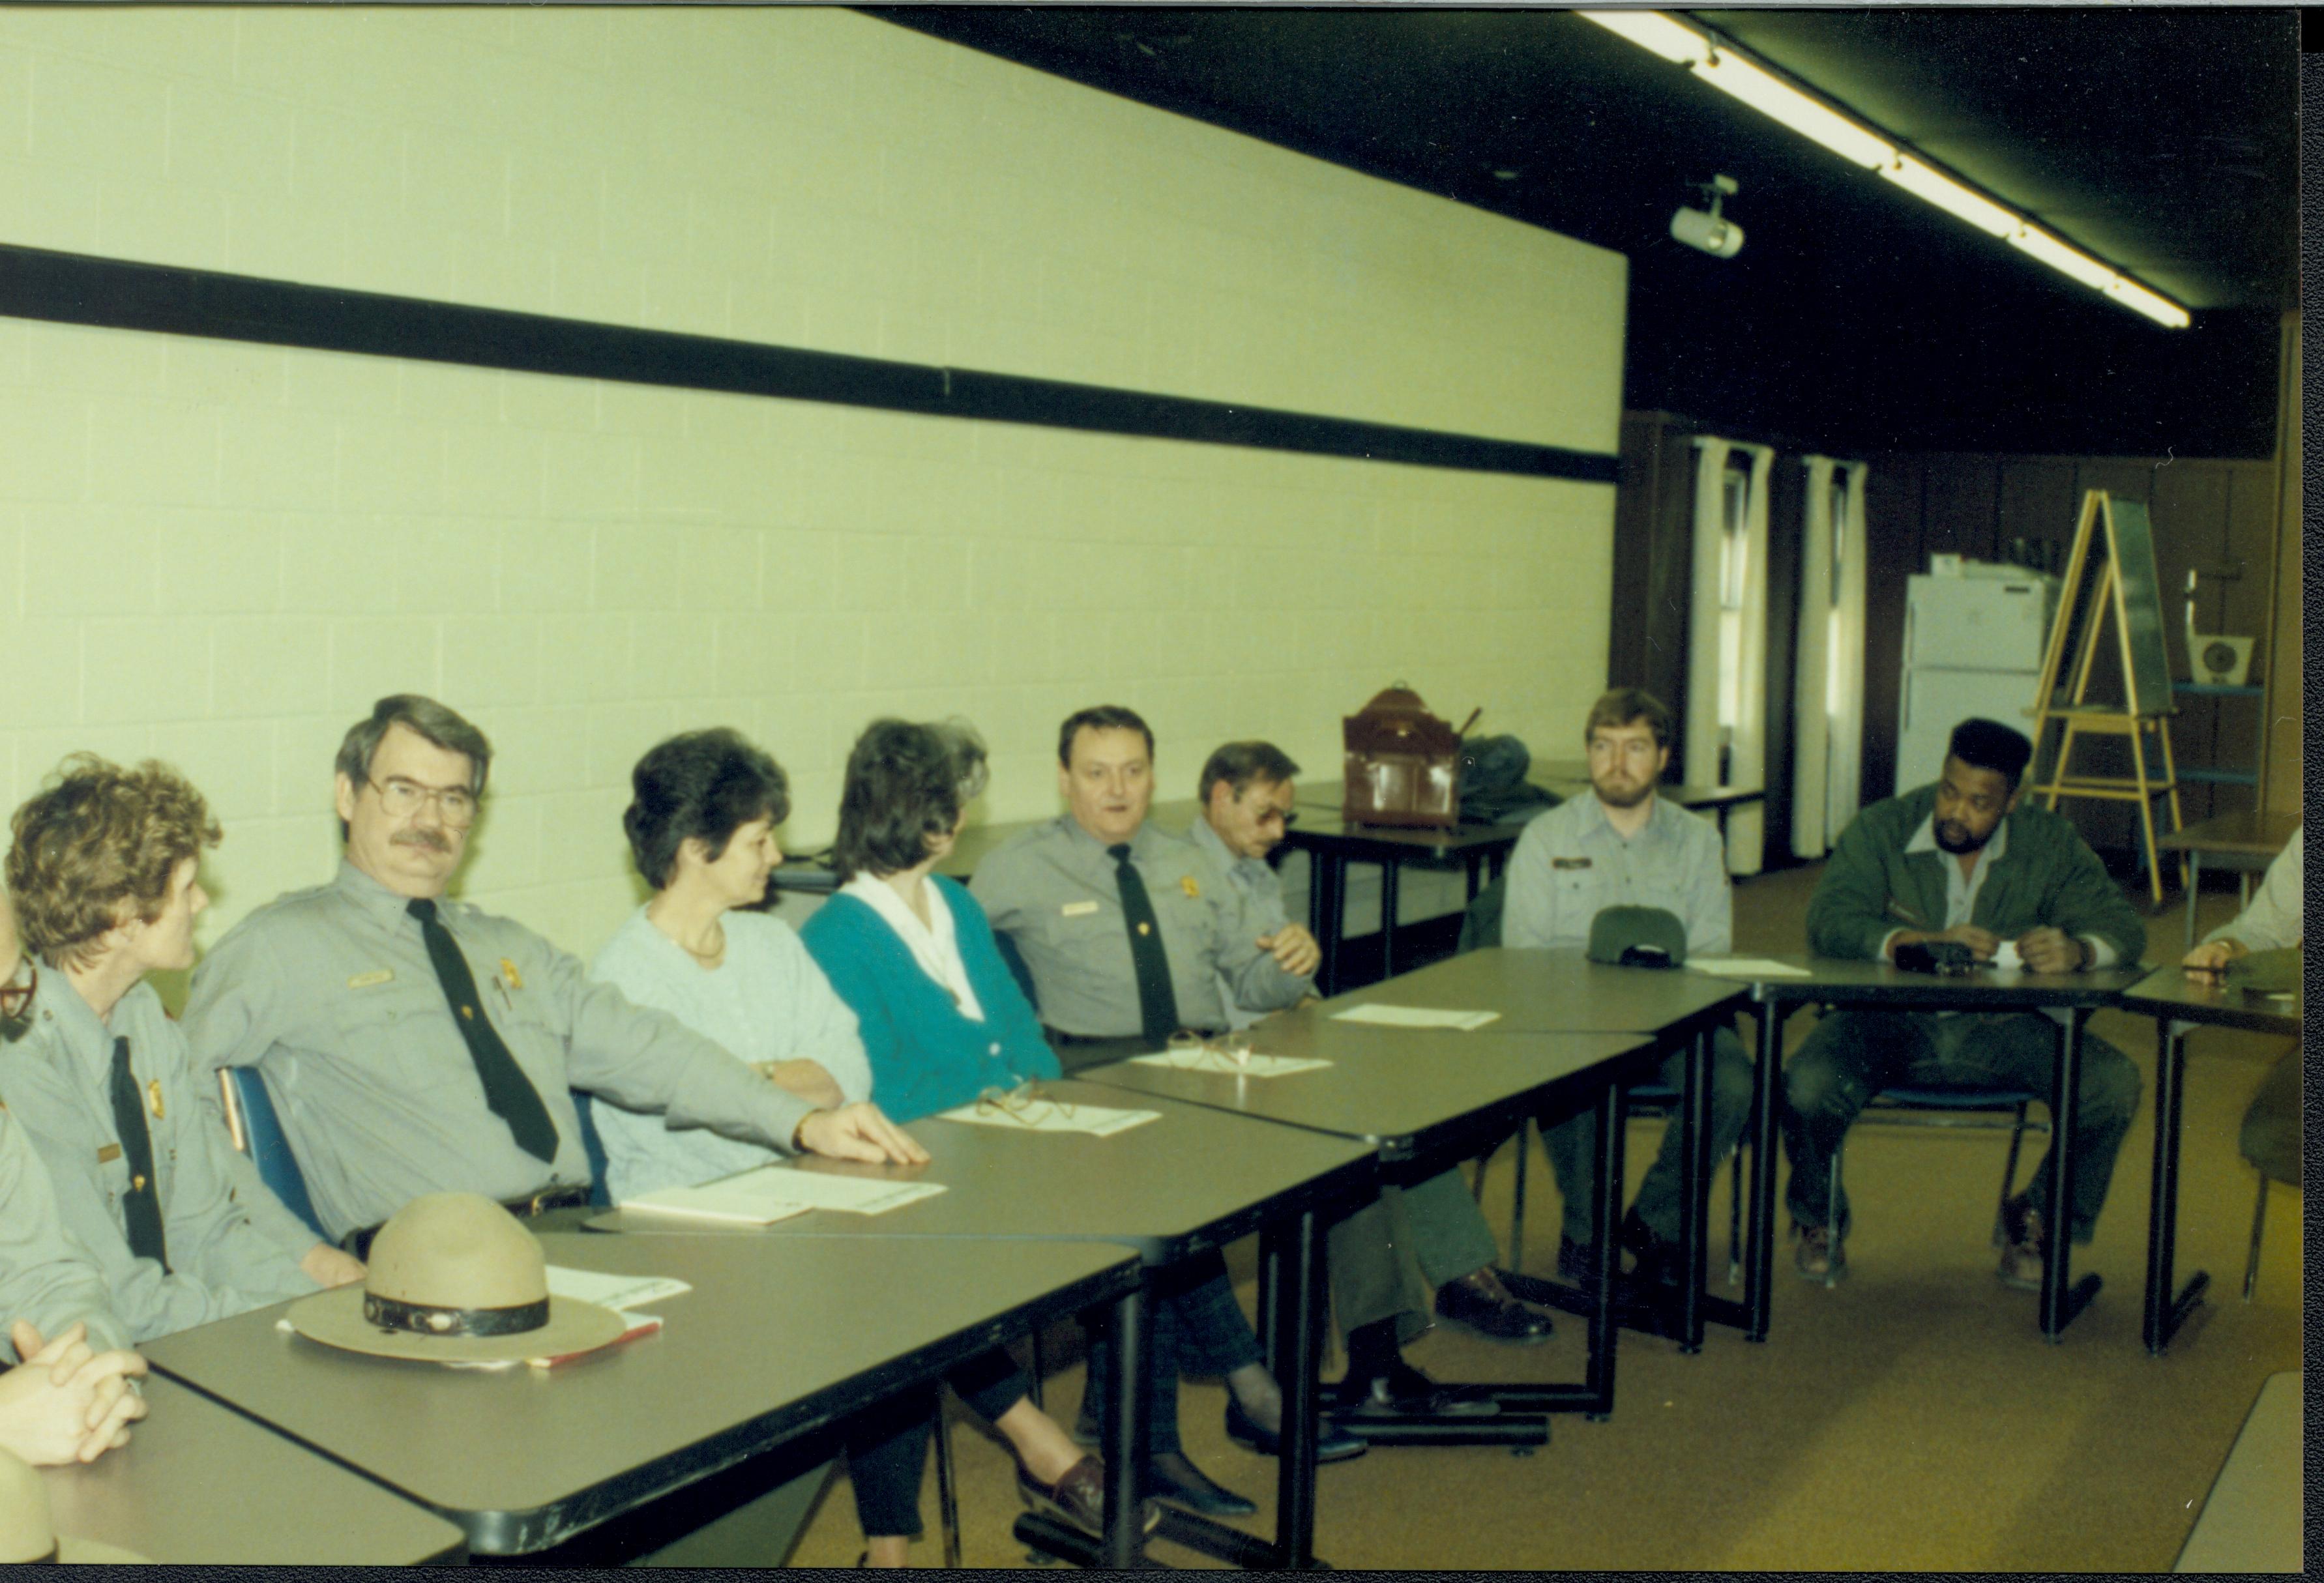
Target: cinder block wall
(221, 553)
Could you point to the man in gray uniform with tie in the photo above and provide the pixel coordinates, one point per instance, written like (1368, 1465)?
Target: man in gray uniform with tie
(413, 1044)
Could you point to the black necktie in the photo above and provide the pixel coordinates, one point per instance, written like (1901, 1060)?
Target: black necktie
(1157, 1008)
(507, 1093)
(141, 1206)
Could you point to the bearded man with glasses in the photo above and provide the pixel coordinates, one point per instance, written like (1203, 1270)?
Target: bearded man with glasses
(413, 1044)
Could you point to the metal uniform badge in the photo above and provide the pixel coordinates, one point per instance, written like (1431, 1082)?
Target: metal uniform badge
(377, 976)
(1193, 891)
(154, 1097)
(509, 972)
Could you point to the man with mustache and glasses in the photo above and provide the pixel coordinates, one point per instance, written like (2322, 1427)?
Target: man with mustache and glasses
(414, 1045)
(1961, 861)
(1624, 846)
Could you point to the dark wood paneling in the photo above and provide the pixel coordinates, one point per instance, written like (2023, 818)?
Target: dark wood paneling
(2038, 504)
(1786, 534)
(1892, 552)
(1960, 507)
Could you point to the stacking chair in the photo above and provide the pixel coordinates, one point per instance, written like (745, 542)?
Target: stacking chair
(600, 1196)
(2270, 1141)
(1955, 1107)
(257, 1132)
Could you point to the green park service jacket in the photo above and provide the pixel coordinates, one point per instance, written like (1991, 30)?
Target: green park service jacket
(2048, 875)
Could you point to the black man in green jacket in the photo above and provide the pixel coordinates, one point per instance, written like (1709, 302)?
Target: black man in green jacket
(1961, 861)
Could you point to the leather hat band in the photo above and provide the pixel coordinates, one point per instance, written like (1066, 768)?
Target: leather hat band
(424, 1318)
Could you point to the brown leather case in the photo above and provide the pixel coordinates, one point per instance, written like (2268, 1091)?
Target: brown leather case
(1403, 763)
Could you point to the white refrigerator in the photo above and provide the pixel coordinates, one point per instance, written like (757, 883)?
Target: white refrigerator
(1973, 639)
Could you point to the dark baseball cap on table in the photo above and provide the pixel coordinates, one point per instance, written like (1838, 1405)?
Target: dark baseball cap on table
(1638, 937)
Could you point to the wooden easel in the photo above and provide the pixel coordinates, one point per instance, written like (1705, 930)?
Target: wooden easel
(2125, 587)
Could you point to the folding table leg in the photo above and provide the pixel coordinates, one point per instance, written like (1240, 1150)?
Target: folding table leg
(2062, 1297)
(2164, 1312)
(1125, 1427)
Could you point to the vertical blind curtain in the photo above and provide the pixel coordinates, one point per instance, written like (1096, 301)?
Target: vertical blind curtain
(1708, 669)
(1828, 688)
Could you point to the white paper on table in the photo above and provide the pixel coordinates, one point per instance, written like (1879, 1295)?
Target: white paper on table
(768, 1193)
(1747, 967)
(2005, 957)
(1415, 1016)
(611, 1291)
(1048, 1116)
(1212, 1060)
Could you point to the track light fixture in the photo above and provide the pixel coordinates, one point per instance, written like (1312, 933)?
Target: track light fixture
(1732, 72)
(1709, 231)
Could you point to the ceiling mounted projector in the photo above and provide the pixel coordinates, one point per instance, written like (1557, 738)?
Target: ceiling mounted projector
(1710, 231)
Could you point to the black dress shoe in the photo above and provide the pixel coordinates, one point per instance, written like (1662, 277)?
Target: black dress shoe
(1173, 1477)
(1468, 1303)
(1403, 1391)
(1332, 1444)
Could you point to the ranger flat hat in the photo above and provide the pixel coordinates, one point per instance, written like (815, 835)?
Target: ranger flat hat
(1638, 937)
(27, 1532)
(455, 1278)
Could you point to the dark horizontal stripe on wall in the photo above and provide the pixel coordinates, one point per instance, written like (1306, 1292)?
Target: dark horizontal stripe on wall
(118, 294)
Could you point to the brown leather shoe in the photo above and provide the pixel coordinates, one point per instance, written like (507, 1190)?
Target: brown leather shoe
(1478, 1304)
(1078, 1499)
(2024, 1243)
(1821, 1256)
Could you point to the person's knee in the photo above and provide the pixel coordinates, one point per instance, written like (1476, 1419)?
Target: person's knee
(1730, 1076)
(2110, 1084)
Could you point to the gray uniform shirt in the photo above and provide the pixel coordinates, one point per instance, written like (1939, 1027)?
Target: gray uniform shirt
(1261, 889)
(57, 1083)
(1571, 864)
(45, 1276)
(331, 993)
(1054, 892)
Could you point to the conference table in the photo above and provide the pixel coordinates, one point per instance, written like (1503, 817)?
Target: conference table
(2247, 843)
(2179, 1003)
(1560, 991)
(199, 1484)
(1426, 1099)
(1852, 985)
(594, 1460)
(1191, 1181)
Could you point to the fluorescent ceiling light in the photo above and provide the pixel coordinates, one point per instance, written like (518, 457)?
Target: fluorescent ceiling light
(1950, 195)
(1779, 101)
(1651, 29)
(2139, 300)
(2065, 259)
(1733, 73)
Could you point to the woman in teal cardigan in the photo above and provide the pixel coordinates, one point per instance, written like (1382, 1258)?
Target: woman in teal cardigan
(926, 1053)
(942, 1022)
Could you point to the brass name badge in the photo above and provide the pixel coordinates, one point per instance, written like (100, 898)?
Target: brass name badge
(109, 1153)
(377, 976)
(1569, 862)
(1078, 909)
(1186, 883)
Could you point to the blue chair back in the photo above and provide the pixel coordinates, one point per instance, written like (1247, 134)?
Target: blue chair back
(260, 1131)
(1015, 964)
(600, 1198)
